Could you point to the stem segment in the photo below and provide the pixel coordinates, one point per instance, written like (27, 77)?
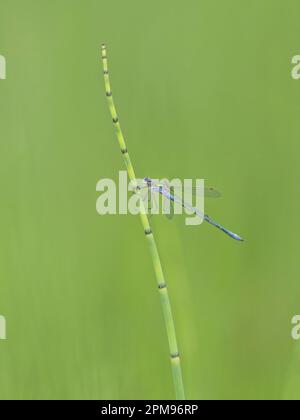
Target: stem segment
(162, 286)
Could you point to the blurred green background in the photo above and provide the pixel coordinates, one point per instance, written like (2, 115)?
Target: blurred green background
(203, 90)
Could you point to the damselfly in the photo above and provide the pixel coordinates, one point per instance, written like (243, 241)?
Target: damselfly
(169, 194)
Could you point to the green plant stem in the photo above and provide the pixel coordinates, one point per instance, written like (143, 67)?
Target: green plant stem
(162, 286)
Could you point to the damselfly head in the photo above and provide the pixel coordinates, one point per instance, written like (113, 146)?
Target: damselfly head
(148, 180)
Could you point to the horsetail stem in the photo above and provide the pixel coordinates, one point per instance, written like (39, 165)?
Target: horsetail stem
(162, 286)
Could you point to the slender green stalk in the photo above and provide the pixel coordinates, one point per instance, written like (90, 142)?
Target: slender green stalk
(162, 287)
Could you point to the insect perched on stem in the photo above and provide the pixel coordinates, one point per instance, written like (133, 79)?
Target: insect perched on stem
(160, 278)
(169, 194)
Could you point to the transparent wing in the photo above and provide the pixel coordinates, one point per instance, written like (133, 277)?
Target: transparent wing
(169, 211)
(153, 205)
(209, 192)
